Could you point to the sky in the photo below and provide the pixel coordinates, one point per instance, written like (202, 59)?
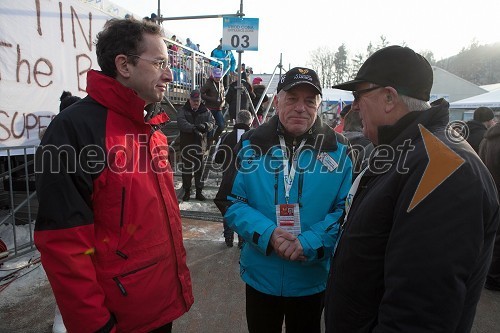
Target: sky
(296, 28)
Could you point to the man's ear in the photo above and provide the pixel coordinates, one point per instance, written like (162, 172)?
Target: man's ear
(391, 98)
(122, 65)
(275, 102)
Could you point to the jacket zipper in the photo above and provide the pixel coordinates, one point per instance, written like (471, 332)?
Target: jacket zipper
(122, 207)
(301, 184)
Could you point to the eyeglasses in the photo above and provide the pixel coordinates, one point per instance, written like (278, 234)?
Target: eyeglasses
(357, 94)
(158, 63)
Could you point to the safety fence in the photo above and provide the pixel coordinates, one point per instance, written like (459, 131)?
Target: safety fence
(190, 70)
(18, 202)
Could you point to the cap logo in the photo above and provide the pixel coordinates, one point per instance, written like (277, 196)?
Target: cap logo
(303, 70)
(303, 77)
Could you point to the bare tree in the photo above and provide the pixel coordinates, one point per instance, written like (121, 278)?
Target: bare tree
(323, 62)
(429, 55)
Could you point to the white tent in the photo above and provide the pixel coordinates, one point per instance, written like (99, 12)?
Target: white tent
(490, 99)
(336, 95)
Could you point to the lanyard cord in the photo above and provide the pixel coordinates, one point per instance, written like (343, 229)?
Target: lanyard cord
(289, 172)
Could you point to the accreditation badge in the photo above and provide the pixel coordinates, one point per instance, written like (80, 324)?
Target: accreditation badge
(327, 161)
(288, 218)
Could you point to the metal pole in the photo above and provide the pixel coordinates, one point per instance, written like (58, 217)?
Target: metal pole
(193, 71)
(159, 13)
(238, 86)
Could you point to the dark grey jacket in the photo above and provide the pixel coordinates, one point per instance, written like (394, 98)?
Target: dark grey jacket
(187, 119)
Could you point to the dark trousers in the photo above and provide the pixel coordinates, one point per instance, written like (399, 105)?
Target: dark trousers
(265, 313)
(164, 329)
(192, 164)
(229, 233)
(493, 278)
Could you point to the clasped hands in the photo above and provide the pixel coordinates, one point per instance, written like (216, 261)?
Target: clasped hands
(286, 245)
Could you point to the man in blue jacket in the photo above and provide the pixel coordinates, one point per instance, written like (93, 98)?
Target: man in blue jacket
(228, 62)
(285, 196)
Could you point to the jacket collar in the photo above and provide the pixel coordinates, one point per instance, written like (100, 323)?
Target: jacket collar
(110, 93)
(241, 126)
(407, 127)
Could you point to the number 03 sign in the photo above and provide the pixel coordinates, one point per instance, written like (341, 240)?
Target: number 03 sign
(240, 34)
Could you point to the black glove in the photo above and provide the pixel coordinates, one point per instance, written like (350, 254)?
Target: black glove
(202, 127)
(198, 134)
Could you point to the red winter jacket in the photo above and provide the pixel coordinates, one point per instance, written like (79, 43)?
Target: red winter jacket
(108, 226)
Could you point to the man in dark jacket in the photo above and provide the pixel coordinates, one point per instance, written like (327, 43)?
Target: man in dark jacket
(476, 128)
(361, 147)
(420, 222)
(212, 93)
(108, 227)
(194, 121)
(259, 90)
(489, 151)
(225, 156)
(231, 97)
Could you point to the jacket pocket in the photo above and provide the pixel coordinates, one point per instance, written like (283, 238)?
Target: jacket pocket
(120, 280)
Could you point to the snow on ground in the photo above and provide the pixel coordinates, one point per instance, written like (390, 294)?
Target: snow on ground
(34, 275)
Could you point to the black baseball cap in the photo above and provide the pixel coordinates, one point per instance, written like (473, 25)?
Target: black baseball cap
(195, 94)
(299, 75)
(398, 67)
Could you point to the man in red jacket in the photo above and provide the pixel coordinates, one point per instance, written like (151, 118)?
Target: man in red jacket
(108, 227)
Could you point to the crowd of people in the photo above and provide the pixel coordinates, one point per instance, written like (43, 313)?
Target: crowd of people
(390, 226)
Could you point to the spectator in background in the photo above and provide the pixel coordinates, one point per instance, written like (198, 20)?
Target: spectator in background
(361, 147)
(228, 61)
(247, 95)
(340, 126)
(483, 119)
(191, 45)
(285, 196)
(154, 18)
(259, 90)
(195, 122)
(67, 99)
(224, 155)
(173, 52)
(199, 50)
(103, 229)
(489, 151)
(418, 234)
(212, 93)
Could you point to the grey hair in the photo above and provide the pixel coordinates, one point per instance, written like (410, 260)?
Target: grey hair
(414, 104)
(244, 116)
